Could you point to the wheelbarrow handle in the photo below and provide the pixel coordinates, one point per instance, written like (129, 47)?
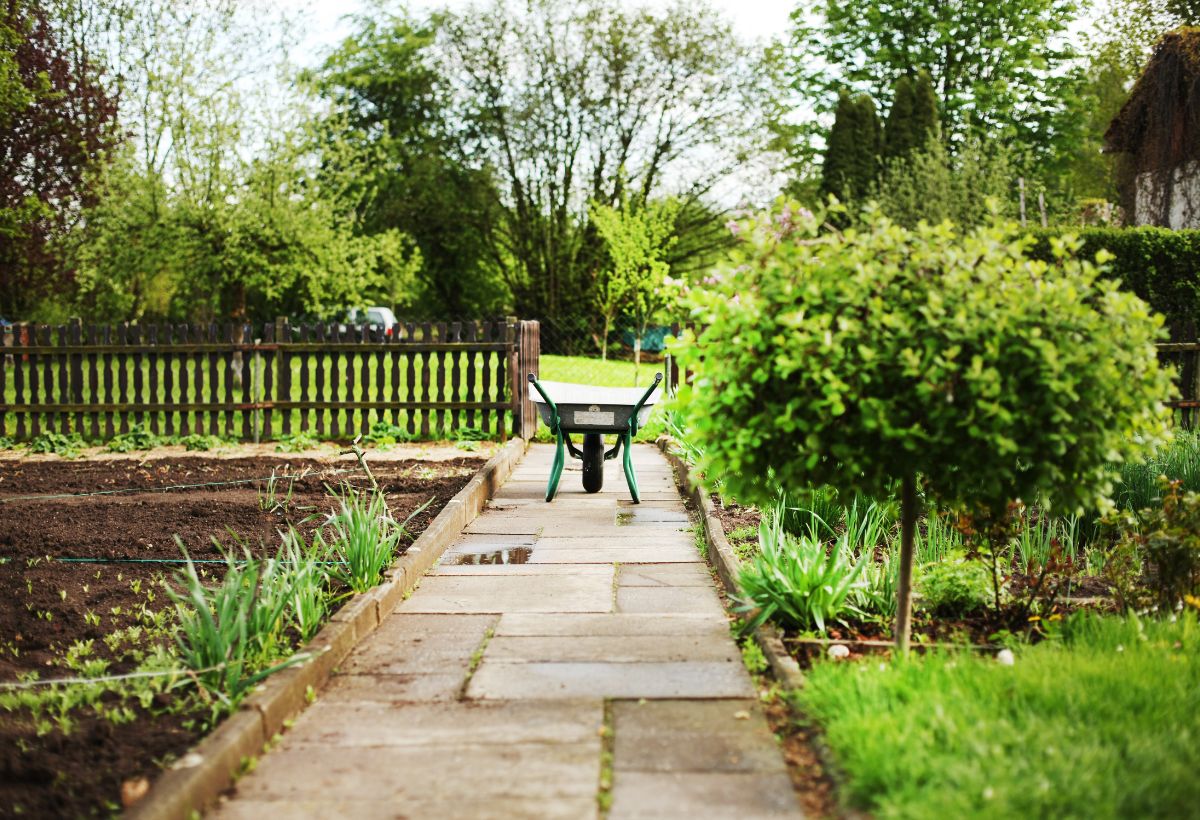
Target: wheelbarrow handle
(549, 401)
(633, 425)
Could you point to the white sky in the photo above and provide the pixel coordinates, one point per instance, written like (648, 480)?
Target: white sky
(752, 19)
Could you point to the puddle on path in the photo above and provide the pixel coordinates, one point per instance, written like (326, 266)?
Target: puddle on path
(512, 555)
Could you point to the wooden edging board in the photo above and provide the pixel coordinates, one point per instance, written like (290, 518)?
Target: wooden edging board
(211, 766)
(725, 561)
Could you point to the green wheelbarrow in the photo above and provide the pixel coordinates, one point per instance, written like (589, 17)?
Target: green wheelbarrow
(593, 411)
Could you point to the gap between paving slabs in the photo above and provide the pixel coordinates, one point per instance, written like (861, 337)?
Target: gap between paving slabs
(197, 778)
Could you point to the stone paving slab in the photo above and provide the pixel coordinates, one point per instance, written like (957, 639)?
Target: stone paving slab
(693, 736)
(504, 570)
(510, 770)
(711, 795)
(618, 555)
(514, 681)
(665, 575)
(483, 694)
(448, 807)
(611, 648)
(696, 600)
(516, 593)
(417, 687)
(347, 724)
(517, 625)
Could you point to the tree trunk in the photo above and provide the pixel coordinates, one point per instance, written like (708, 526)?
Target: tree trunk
(604, 340)
(908, 526)
(637, 357)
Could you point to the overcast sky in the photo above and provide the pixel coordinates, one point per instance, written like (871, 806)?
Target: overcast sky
(752, 19)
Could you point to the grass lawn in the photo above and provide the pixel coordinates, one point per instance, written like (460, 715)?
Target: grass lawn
(611, 373)
(1101, 724)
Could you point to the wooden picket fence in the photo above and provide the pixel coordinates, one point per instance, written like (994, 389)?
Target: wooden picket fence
(255, 383)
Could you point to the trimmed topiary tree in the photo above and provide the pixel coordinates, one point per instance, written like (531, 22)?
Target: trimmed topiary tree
(950, 361)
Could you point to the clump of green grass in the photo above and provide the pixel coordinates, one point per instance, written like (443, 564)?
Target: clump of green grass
(1101, 724)
(364, 537)
(233, 635)
(798, 582)
(1139, 489)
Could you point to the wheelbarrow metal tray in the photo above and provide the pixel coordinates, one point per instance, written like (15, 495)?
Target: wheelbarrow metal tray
(583, 408)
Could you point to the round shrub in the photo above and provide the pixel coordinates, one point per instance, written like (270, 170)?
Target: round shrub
(930, 355)
(853, 359)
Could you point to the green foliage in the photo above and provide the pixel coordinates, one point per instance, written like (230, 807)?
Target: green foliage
(636, 240)
(66, 445)
(1159, 265)
(363, 535)
(297, 442)
(968, 188)
(389, 103)
(852, 359)
(520, 72)
(912, 121)
(232, 635)
(1100, 725)
(7, 443)
(1169, 536)
(998, 67)
(138, 438)
(852, 150)
(198, 442)
(953, 588)
(385, 433)
(796, 581)
(1179, 460)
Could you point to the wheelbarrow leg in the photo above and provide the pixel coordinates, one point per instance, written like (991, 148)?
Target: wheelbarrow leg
(630, 476)
(556, 468)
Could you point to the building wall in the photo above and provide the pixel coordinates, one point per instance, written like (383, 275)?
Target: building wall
(1176, 205)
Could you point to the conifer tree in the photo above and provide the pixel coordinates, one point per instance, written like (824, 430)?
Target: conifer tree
(852, 149)
(839, 150)
(913, 118)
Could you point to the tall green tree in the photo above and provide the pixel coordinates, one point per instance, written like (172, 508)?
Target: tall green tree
(852, 150)
(997, 67)
(389, 100)
(637, 239)
(912, 120)
(216, 209)
(570, 103)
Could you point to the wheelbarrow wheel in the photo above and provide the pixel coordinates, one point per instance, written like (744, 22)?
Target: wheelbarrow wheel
(593, 462)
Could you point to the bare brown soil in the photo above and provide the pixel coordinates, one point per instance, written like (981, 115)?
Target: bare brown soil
(52, 602)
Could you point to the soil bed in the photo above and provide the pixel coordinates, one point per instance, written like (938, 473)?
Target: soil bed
(55, 603)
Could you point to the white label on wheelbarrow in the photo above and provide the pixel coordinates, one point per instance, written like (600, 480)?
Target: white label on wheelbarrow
(595, 418)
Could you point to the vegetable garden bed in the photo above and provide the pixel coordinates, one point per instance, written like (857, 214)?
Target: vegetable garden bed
(83, 575)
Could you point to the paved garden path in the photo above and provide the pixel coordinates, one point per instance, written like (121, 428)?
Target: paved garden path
(504, 690)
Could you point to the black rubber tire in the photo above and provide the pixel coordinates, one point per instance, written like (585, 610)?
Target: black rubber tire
(593, 462)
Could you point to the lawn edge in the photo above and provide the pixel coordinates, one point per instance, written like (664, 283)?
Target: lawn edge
(221, 755)
(784, 668)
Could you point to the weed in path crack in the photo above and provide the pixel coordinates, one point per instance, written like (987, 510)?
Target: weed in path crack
(476, 659)
(607, 741)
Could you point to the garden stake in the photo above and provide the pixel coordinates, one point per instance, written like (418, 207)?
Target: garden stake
(361, 455)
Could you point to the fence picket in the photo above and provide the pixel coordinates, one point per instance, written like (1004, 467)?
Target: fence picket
(185, 379)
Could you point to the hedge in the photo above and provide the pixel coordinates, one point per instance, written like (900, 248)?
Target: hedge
(1160, 265)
